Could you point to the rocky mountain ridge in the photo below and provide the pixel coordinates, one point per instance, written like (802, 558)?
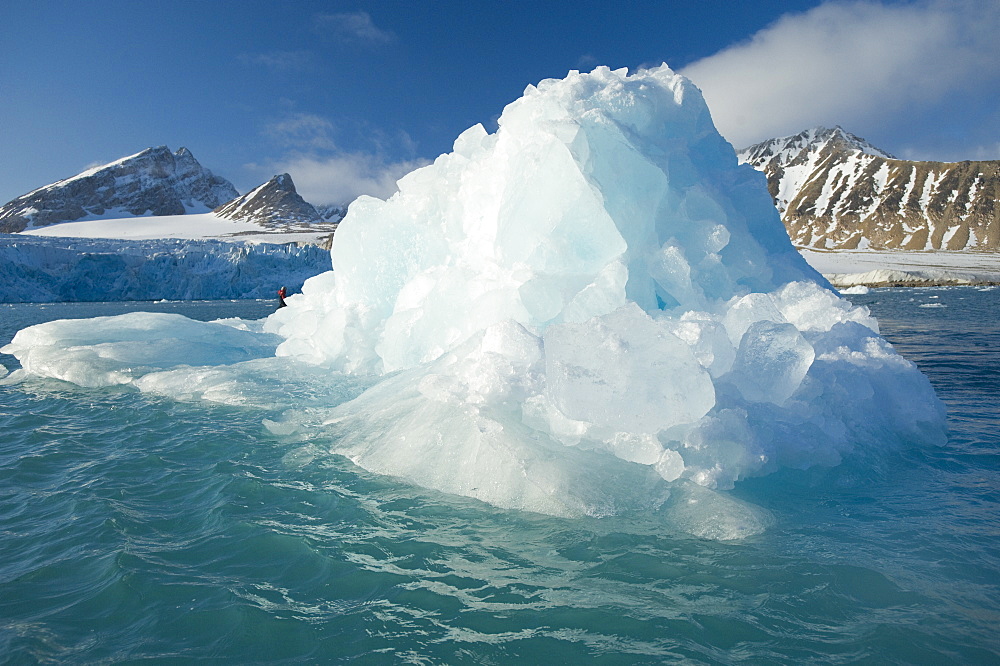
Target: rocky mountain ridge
(835, 190)
(154, 181)
(159, 182)
(275, 204)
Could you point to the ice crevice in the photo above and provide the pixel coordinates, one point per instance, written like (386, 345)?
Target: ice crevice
(593, 310)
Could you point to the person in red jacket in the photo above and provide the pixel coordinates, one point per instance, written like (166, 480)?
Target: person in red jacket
(281, 297)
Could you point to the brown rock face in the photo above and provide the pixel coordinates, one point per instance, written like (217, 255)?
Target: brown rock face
(836, 191)
(273, 204)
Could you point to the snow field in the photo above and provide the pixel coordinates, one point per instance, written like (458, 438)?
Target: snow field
(191, 226)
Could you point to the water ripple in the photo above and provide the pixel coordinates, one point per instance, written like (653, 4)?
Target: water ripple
(134, 528)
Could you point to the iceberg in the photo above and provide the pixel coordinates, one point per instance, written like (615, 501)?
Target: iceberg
(593, 310)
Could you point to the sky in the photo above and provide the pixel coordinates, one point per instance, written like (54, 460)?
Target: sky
(348, 96)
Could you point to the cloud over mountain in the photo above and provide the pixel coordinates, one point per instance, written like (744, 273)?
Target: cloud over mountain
(852, 63)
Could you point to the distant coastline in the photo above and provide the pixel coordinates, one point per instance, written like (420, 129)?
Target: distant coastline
(900, 268)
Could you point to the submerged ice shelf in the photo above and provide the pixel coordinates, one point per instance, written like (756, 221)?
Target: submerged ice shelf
(590, 310)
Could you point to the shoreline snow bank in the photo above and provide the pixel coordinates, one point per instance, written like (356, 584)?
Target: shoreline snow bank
(846, 268)
(897, 278)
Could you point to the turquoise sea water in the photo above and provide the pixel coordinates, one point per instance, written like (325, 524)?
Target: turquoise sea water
(134, 528)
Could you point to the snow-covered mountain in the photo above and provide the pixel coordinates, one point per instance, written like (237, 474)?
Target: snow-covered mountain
(332, 212)
(152, 182)
(275, 204)
(835, 190)
(123, 198)
(143, 228)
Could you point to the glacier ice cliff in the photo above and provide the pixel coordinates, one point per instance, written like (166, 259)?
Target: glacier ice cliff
(593, 310)
(36, 269)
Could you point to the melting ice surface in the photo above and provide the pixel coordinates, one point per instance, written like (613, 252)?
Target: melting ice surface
(594, 310)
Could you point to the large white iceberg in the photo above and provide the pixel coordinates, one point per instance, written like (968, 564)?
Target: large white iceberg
(590, 309)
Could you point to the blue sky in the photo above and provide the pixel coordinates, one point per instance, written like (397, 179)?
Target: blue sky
(347, 96)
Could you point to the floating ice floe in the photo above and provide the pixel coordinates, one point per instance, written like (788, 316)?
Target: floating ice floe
(583, 313)
(855, 290)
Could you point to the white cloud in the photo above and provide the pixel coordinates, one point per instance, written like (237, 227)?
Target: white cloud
(976, 152)
(341, 178)
(326, 173)
(848, 63)
(306, 131)
(354, 26)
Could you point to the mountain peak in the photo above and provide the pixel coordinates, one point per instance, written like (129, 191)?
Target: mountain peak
(846, 140)
(273, 204)
(154, 181)
(835, 190)
(155, 152)
(800, 148)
